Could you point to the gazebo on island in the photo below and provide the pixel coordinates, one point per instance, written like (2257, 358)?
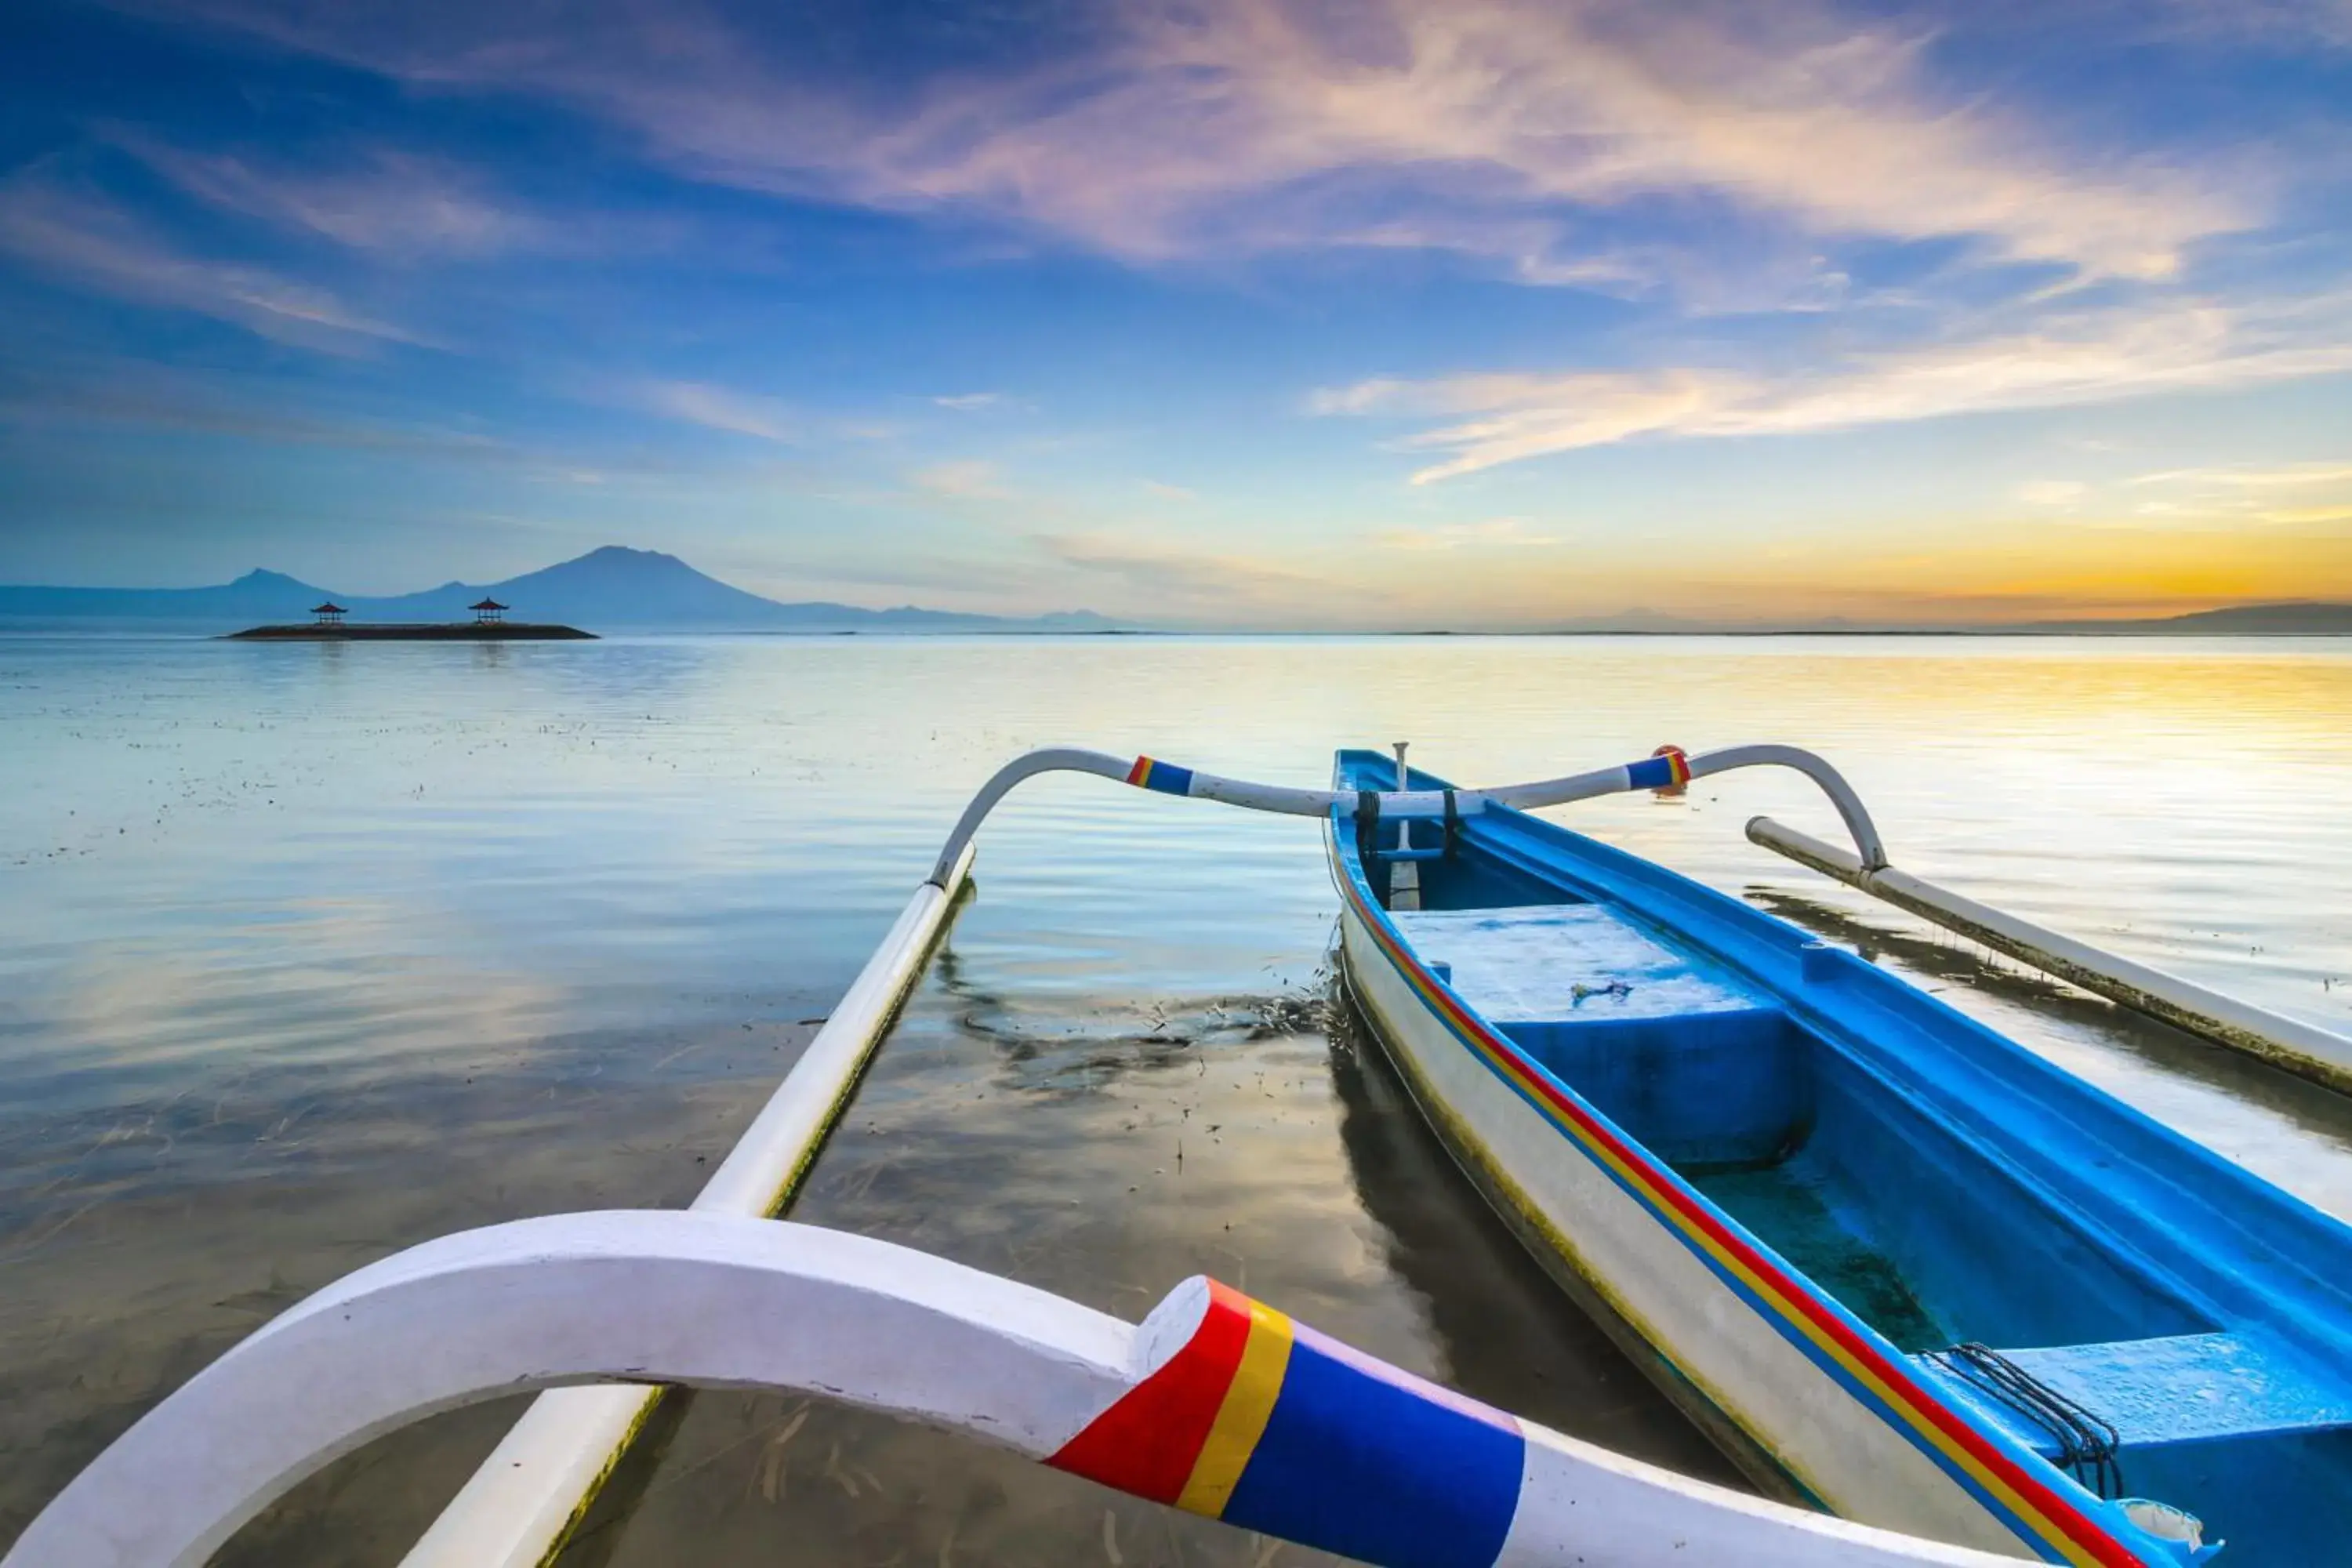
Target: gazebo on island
(489, 625)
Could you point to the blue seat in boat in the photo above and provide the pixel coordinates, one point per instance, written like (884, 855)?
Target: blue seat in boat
(2179, 1389)
(1678, 1051)
(1568, 964)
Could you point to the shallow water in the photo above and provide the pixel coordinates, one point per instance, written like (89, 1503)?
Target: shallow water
(308, 952)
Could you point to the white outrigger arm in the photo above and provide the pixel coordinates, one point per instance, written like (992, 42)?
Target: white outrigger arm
(1216, 1404)
(2289, 1043)
(1669, 769)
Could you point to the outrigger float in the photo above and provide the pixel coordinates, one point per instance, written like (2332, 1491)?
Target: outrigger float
(1952, 1305)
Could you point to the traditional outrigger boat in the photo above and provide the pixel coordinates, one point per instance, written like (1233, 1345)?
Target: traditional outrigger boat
(1902, 1267)
(1906, 1271)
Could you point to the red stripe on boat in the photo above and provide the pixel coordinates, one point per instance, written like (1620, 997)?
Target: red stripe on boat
(2054, 1510)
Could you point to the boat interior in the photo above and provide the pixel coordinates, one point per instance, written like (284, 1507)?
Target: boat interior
(1903, 1186)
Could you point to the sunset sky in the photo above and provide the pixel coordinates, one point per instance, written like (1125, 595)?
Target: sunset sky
(1378, 313)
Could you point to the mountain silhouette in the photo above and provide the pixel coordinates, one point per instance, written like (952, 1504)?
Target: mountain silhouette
(611, 587)
(619, 588)
(265, 594)
(2301, 618)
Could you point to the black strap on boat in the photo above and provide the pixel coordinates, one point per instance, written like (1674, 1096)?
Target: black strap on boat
(1368, 827)
(1453, 825)
(2086, 1445)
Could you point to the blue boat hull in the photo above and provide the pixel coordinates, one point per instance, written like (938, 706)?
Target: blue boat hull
(1802, 1184)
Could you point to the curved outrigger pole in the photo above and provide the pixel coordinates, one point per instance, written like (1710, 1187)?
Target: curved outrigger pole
(2289, 1043)
(1216, 1404)
(1651, 772)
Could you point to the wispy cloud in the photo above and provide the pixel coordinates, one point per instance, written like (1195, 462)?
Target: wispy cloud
(2285, 25)
(720, 408)
(283, 410)
(965, 479)
(1215, 127)
(1494, 534)
(2051, 492)
(385, 202)
(137, 395)
(85, 240)
(756, 416)
(2295, 495)
(1217, 585)
(2307, 516)
(971, 402)
(2292, 476)
(1509, 418)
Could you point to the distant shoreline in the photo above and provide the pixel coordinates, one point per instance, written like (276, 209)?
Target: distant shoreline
(626, 590)
(209, 630)
(414, 631)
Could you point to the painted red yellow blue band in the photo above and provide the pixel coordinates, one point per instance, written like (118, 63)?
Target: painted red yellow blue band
(1269, 1426)
(1667, 771)
(1165, 777)
(1241, 1414)
(1149, 1442)
(2041, 1517)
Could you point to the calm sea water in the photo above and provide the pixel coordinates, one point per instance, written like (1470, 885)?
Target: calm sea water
(309, 953)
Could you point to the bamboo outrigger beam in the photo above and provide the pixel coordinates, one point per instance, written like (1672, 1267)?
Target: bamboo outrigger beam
(533, 1491)
(2299, 1047)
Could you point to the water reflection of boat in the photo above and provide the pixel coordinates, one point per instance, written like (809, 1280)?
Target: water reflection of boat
(1901, 1264)
(1815, 1196)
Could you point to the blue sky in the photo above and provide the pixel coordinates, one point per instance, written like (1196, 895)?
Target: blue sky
(1467, 312)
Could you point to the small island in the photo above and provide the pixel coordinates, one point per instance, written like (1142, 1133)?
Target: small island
(489, 625)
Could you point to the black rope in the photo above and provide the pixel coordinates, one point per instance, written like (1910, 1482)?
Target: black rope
(2086, 1445)
(1453, 825)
